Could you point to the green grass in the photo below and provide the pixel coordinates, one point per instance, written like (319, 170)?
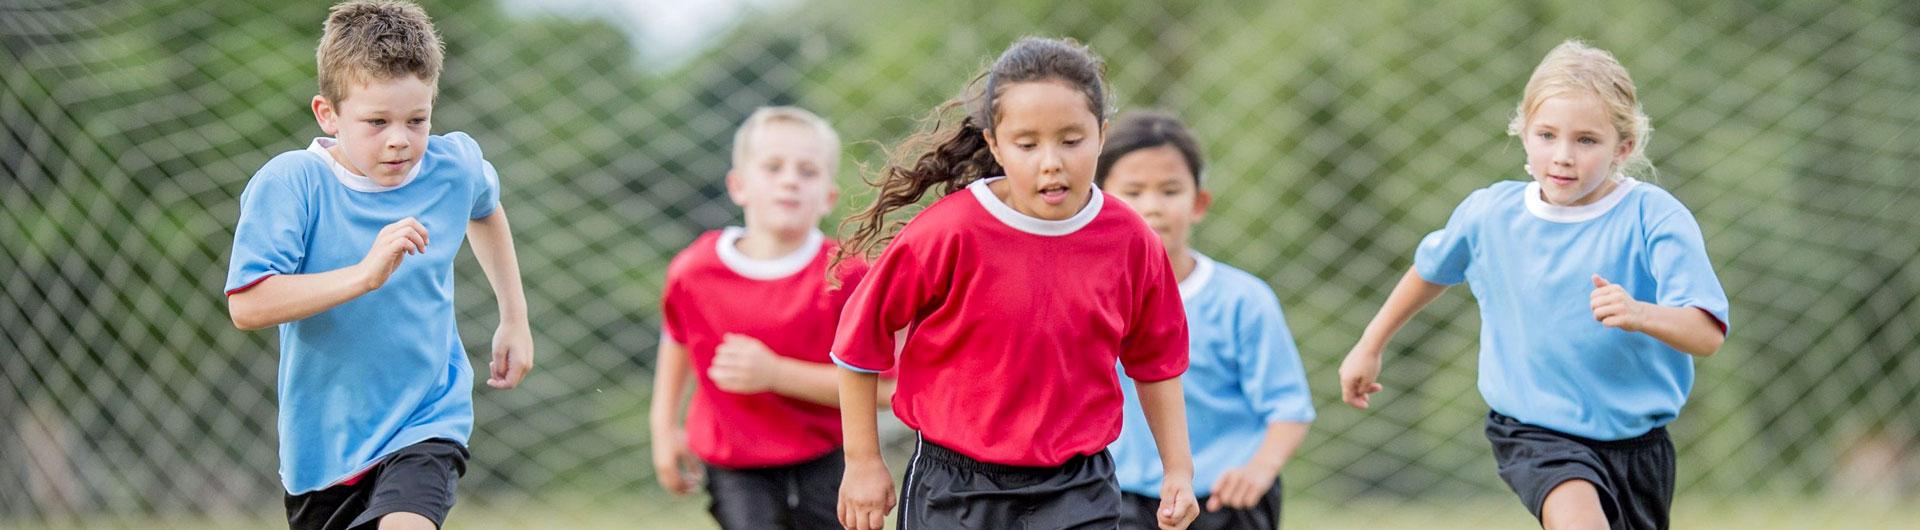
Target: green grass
(1472, 513)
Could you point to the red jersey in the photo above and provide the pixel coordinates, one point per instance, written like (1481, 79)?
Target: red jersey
(1014, 324)
(713, 289)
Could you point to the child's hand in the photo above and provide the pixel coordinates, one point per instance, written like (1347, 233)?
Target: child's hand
(1614, 308)
(866, 494)
(743, 365)
(1357, 376)
(1242, 487)
(512, 355)
(1177, 505)
(679, 472)
(395, 241)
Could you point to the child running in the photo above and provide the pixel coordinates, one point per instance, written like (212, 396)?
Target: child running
(749, 316)
(348, 246)
(1247, 402)
(1018, 289)
(1595, 295)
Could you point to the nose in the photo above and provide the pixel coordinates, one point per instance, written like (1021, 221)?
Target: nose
(397, 139)
(1563, 153)
(1051, 161)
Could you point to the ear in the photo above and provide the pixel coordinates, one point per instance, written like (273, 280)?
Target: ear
(992, 146)
(833, 195)
(328, 116)
(1202, 199)
(1626, 150)
(736, 187)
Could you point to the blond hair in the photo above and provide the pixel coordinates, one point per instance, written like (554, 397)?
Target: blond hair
(368, 40)
(743, 138)
(1573, 67)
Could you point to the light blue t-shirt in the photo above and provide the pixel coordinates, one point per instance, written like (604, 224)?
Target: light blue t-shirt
(384, 370)
(1544, 360)
(1244, 373)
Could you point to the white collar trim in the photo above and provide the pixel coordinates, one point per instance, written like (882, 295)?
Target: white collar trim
(1030, 224)
(766, 269)
(1196, 280)
(350, 180)
(1544, 210)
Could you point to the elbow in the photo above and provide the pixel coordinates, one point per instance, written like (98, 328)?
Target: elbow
(1711, 346)
(245, 317)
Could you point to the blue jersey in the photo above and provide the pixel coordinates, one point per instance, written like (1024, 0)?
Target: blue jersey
(384, 370)
(1244, 373)
(1543, 358)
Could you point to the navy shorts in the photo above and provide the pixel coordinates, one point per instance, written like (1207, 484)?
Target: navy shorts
(946, 490)
(416, 479)
(1633, 476)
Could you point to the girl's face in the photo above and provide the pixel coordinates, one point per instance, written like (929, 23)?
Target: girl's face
(1157, 183)
(784, 185)
(1049, 142)
(1572, 149)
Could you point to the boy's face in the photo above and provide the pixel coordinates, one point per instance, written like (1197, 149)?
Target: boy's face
(1157, 183)
(382, 126)
(784, 183)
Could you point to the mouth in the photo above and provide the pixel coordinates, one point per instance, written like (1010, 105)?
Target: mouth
(395, 164)
(791, 204)
(1561, 179)
(1054, 194)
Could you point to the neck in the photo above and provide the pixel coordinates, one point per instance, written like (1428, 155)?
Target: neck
(765, 244)
(1183, 262)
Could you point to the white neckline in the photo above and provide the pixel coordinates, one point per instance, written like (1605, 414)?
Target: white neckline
(766, 269)
(1547, 211)
(1196, 280)
(1030, 224)
(350, 180)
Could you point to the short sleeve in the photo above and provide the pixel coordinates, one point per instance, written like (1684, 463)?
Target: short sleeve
(487, 199)
(907, 276)
(1677, 255)
(1155, 346)
(1270, 371)
(271, 236)
(1443, 255)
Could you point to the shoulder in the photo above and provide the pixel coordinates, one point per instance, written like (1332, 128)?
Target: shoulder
(458, 150)
(697, 255)
(293, 171)
(1506, 192)
(1242, 288)
(949, 216)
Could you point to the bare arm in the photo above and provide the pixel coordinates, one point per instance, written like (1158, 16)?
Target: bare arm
(673, 463)
(1687, 329)
(1166, 411)
(866, 488)
(1242, 487)
(513, 341)
(1362, 366)
(283, 298)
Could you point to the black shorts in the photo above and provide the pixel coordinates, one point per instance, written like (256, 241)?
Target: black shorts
(802, 496)
(1634, 476)
(945, 490)
(1140, 513)
(416, 479)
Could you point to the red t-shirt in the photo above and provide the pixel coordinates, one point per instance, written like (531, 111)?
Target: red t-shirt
(713, 289)
(1015, 323)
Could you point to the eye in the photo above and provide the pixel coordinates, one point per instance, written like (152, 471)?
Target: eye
(1024, 146)
(1544, 135)
(1589, 140)
(417, 121)
(1073, 142)
(377, 122)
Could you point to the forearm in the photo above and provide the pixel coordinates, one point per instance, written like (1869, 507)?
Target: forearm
(283, 298)
(492, 240)
(813, 382)
(1687, 329)
(1166, 411)
(1412, 294)
(671, 376)
(859, 421)
(1282, 439)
